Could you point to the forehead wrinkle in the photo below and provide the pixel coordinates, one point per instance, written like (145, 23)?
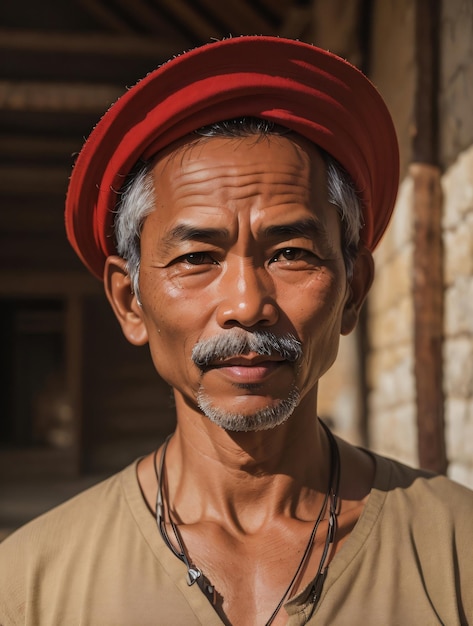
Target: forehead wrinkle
(285, 189)
(286, 173)
(201, 176)
(192, 159)
(203, 170)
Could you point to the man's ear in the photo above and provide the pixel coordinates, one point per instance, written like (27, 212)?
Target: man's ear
(363, 274)
(124, 302)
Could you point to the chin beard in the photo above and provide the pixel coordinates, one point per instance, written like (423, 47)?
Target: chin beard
(264, 419)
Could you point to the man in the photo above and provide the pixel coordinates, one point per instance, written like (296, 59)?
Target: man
(230, 202)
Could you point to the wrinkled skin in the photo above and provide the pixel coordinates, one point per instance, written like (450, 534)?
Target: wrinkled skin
(243, 237)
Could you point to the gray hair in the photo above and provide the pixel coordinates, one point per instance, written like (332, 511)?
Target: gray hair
(137, 198)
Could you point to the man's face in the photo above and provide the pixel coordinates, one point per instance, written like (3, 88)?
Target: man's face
(242, 239)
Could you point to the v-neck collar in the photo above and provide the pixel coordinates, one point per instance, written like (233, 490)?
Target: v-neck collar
(298, 605)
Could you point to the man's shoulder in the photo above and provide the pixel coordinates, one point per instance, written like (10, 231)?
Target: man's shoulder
(418, 489)
(96, 559)
(61, 523)
(52, 546)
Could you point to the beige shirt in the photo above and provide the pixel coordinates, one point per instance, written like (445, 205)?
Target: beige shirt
(99, 560)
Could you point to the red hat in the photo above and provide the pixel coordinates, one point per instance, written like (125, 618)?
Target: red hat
(308, 90)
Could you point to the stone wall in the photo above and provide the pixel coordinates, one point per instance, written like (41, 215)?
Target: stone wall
(456, 79)
(456, 153)
(458, 342)
(391, 399)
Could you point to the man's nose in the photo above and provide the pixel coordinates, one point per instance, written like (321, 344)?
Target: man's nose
(247, 297)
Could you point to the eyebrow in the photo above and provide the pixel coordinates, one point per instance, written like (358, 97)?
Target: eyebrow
(186, 232)
(308, 228)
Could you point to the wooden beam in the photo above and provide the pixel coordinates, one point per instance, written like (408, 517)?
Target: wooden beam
(428, 252)
(191, 19)
(152, 19)
(106, 16)
(30, 181)
(89, 44)
(74, 374)
(425, 143)
(276, 9)
(428, 316)
(296, 21)
(341, 36)
(30, 284)
(31, 148)
(63, 97)
(237, 17)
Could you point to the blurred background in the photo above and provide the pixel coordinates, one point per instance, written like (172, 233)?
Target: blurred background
(76, 401)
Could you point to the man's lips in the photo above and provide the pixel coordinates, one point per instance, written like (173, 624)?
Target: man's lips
(246, 361)
(248, 369)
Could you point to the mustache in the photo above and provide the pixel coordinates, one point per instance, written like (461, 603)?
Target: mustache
(237, 341)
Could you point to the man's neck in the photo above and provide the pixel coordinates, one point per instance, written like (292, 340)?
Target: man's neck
(246, 504)
(253, 476)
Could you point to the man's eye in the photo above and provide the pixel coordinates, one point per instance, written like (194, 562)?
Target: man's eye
(290, 254)
(197, 258)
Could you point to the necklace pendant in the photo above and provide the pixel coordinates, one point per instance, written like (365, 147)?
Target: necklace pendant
(193, 573)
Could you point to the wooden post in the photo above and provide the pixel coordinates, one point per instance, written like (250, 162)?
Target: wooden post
(74, 372)
(428, 251)
(428, 316)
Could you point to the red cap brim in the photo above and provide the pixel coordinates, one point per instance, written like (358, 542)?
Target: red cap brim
(308, 90)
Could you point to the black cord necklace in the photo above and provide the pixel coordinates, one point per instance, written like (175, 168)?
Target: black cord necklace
(194, 574)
